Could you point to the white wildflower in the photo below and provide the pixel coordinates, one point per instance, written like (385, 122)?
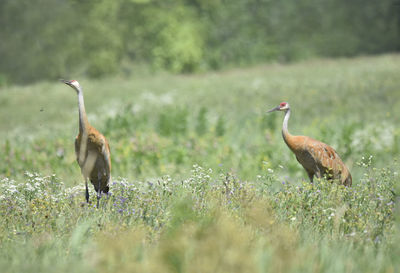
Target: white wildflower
(12, 189)
(29, 187)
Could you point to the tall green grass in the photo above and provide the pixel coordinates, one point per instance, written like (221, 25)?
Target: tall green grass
(202, 180)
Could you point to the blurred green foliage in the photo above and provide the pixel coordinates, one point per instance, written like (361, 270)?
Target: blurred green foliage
(44, 39)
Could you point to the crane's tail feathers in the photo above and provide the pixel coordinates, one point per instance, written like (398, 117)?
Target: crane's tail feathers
(348, 181)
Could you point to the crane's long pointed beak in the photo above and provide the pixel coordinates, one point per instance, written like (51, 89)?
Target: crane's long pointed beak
(65, 81)
(273, 109)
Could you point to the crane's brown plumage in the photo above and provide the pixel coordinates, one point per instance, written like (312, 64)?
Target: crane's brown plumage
(92, 150)
(100, 172)
(317, 158)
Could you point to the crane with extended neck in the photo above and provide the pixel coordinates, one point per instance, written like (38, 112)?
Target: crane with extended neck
(91, 149)
(317, 158)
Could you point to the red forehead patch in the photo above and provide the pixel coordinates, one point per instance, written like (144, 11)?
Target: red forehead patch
(282, 104)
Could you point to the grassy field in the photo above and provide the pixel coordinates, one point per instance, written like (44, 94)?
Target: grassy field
(202, 180)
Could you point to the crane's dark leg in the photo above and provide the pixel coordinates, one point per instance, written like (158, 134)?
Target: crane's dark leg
(98, 189)
(98, 198)
(311, 176)
(87, 191)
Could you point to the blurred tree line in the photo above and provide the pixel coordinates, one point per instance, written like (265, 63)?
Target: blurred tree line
(44, 39)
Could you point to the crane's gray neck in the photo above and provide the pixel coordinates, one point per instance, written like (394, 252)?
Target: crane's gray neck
(285, 131)
(83, 121)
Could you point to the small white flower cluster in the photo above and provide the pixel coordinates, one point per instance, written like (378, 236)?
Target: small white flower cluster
(332, 214)
(35, 187)
(365, 162)
(166, 182)
(124, 188)
(76, 190)
(199, 178)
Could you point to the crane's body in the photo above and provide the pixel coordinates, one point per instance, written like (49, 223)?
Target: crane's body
(317, 158)
(92, 150)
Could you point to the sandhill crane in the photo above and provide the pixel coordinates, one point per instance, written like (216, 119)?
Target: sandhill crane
(91, 149)
(317, 158)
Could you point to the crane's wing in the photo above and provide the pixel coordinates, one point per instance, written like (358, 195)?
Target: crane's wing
(102, 171)
(319, 158)
(324, 155)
